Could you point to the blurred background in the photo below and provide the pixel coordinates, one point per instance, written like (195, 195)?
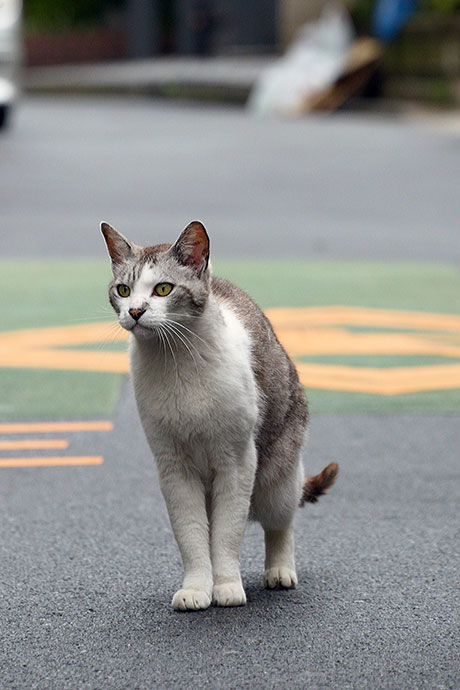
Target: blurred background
(418, 56)
(173, 109)
(422, 60)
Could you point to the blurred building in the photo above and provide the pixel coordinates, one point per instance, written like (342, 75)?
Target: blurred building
(204, 27)
(422, 63)
(99, 30)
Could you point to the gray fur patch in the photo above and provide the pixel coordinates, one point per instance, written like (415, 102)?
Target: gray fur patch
(281, 434)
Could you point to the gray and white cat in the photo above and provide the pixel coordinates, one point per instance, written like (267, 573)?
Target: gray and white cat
(222, 408)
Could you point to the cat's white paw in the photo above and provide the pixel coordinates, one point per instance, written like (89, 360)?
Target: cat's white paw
(228, 594)
(191, 600)
(280, 577)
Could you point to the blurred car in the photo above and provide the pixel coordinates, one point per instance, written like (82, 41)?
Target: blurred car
(10, 53)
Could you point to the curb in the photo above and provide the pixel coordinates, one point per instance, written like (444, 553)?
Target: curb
(225, 80)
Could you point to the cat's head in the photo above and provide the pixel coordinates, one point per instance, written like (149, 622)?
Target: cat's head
(154, 286)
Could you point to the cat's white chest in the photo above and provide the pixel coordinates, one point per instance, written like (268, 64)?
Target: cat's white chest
(209, 397)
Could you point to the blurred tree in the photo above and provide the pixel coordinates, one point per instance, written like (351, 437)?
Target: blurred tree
(444, 6)
(57, 15)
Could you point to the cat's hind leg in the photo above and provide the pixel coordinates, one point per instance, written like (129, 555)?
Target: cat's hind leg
(274, 506)
(279, 559)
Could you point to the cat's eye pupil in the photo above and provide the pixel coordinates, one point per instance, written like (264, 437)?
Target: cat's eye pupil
(123, 290)
(163, 289)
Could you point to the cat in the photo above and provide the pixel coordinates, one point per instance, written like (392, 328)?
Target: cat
(222, 409)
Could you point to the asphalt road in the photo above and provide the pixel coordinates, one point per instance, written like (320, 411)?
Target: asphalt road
(348, 186)
(87, 561)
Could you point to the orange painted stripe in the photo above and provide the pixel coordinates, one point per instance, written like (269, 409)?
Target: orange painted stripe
(53, 427)
(387, 381)
(334, 341)
(60, 336)
(67, 360)
(33, 444)
(308, 317)
(52, 462)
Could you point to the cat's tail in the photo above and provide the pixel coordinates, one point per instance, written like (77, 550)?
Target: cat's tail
(316, 486)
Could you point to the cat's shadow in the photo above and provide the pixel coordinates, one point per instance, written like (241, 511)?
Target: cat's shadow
(307, 593)
(155, 615)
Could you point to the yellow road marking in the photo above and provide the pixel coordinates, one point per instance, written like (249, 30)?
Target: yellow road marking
(334, 341)
(310, 317)
(52, 461)
(68, 360)
(33, 444)
(388, 381)
(53, 427)
(60, 336)
(304, 331)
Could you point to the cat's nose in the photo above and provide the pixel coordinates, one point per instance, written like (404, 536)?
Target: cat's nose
(136, 313)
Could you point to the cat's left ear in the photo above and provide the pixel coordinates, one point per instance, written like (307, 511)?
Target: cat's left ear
(192, 247)
(120, 249)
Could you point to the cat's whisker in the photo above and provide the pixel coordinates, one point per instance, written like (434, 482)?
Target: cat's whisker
(159, 330)
(163, 339)
(186, 345)
(85, 319)
(171, 350)
(177, 323)
(174, 325)
(97, 314)
(114, 327)
(173, 331)
(110, 335)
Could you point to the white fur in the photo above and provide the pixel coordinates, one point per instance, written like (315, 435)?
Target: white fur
(200, 408)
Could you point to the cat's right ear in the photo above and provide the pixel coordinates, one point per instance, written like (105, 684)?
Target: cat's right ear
(119, 248)
(192, 247)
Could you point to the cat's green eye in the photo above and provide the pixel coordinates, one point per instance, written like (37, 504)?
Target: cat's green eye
(123, 290)
(162, 289)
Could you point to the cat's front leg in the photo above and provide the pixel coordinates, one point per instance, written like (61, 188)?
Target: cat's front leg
(186, 504)
(231, 495)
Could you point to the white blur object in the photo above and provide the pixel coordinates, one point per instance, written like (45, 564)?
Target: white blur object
(10, 55)
(313, 63)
